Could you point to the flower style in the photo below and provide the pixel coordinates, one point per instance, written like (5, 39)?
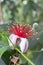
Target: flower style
(23, 33)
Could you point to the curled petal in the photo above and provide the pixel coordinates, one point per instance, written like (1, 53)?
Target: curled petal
(23, 45)
(12, 40)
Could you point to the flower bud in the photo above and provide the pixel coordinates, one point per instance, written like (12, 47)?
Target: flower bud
(35, 25)
(12, 40)
(23, 45)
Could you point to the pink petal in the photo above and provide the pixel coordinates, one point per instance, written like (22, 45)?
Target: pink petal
(24, 45)
(12, 40)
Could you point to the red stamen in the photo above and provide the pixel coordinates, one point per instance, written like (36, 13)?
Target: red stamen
(22, 30)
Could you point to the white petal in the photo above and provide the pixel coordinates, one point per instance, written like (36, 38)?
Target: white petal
(13, 39)
(23, 45)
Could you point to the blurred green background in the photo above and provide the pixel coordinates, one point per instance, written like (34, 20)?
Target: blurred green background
(23, 11)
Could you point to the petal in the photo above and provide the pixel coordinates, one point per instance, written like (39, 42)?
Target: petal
(13, 39)
(23, 45)
(35, 25)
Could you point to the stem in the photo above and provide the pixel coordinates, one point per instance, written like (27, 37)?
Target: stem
(24, 56)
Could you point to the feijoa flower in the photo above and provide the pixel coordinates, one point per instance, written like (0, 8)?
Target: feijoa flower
(23, 32)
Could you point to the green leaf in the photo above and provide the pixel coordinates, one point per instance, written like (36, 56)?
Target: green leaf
(38, 58)
(1, 62)
(7, 54)
(3, 47)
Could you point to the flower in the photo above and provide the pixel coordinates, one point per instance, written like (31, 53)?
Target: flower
(23, 33)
